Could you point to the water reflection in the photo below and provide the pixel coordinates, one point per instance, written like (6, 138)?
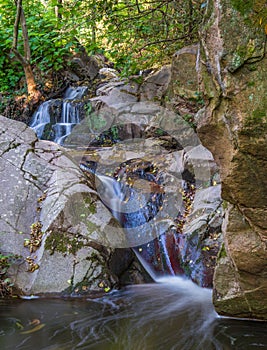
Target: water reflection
(172, 314)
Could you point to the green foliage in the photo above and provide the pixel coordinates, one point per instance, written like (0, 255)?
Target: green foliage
(48, 45)
(5, 282)
(222, 252)
(133, 34)
(10, 71)
(4, 263)
(144, 33)
(189, 118)
(242, 6)
(253, 11)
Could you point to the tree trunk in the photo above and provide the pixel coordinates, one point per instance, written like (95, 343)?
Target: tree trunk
(33, 92)
(58, 9)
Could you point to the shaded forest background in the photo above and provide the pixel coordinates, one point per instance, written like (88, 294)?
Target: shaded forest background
(41, 36)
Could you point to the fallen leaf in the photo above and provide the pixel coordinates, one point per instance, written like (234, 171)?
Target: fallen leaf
(35, 329)
(35, 322)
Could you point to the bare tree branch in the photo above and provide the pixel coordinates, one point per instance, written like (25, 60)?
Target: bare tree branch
(33, 92)
(16, 25)
(162, 41)
(27, 50)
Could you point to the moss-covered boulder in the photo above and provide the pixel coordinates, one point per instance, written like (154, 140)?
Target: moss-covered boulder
(234, 128)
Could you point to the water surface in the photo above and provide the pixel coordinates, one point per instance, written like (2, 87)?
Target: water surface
(173, 314)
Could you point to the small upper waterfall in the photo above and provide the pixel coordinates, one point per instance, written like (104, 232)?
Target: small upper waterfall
(55, 119)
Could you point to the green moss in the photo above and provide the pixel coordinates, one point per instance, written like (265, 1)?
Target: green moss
(63, 243)
(252, 67)
(92, 208)
(242, 54)
(138, 79)
(90, 204)
(96, 122)
(241, 51)
(189, 118)
(251, 84)
(256, 123)
(258, 114)
(254, 12)
(222, 252)
(236, 62)
(79, 210)
(92, 227)
(224, 204)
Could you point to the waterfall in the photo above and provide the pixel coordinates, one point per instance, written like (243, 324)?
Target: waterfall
(152, 205)
(41, 118)
(137, 211)
(55, 119)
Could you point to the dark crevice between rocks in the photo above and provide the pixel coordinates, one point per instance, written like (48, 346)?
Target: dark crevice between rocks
(12, 145)
(209, 230)
(30, 178)
(124, 264)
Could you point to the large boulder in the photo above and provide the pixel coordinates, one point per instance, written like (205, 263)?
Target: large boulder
(183, 93)
(114, 92)
(155, 85)
(52, 223)
(233, 127)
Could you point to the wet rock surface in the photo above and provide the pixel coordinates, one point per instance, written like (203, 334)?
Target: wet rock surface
(45, 207)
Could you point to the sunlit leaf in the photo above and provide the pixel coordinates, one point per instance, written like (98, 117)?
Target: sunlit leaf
(35, 329)
(19, 325)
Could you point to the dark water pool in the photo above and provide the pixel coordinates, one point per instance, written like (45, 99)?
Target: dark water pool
(172, 314)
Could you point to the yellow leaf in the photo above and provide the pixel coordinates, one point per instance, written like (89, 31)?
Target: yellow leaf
(35, 329)
(260, 21)
(19, 325)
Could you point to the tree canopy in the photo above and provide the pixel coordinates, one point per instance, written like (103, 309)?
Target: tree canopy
(134, 34)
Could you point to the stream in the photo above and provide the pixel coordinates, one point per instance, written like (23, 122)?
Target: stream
(172, 314)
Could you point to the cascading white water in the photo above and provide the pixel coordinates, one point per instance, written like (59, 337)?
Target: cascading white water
(59, 129)
(40, 119)
(132, 207)
(75, 93)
